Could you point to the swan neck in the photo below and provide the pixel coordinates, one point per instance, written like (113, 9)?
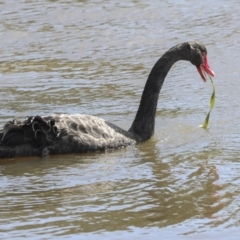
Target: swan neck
(144, 122)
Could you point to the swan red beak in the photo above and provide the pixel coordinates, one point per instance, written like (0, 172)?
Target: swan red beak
(205, 68)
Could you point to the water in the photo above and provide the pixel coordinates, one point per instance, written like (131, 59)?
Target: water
(93, 57)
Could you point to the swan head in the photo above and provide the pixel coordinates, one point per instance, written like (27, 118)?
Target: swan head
(199, 59)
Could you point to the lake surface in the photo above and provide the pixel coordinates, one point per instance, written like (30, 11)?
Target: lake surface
(93, 57)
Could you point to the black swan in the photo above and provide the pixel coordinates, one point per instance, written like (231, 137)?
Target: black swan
(78, 133)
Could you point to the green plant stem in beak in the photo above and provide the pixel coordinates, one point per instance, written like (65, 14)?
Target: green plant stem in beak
(212, 101)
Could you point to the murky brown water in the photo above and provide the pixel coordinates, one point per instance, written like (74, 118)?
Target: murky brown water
(93, 57)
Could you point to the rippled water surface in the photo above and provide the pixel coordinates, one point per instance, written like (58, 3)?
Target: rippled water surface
(93, 57)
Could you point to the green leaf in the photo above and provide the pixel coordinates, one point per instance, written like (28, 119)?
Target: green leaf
(212, 102)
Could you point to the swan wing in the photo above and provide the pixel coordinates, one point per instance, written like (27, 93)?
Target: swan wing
(62, 133)
(84, 133)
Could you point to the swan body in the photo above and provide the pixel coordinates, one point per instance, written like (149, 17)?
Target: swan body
(78, 133)
(63, 133)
